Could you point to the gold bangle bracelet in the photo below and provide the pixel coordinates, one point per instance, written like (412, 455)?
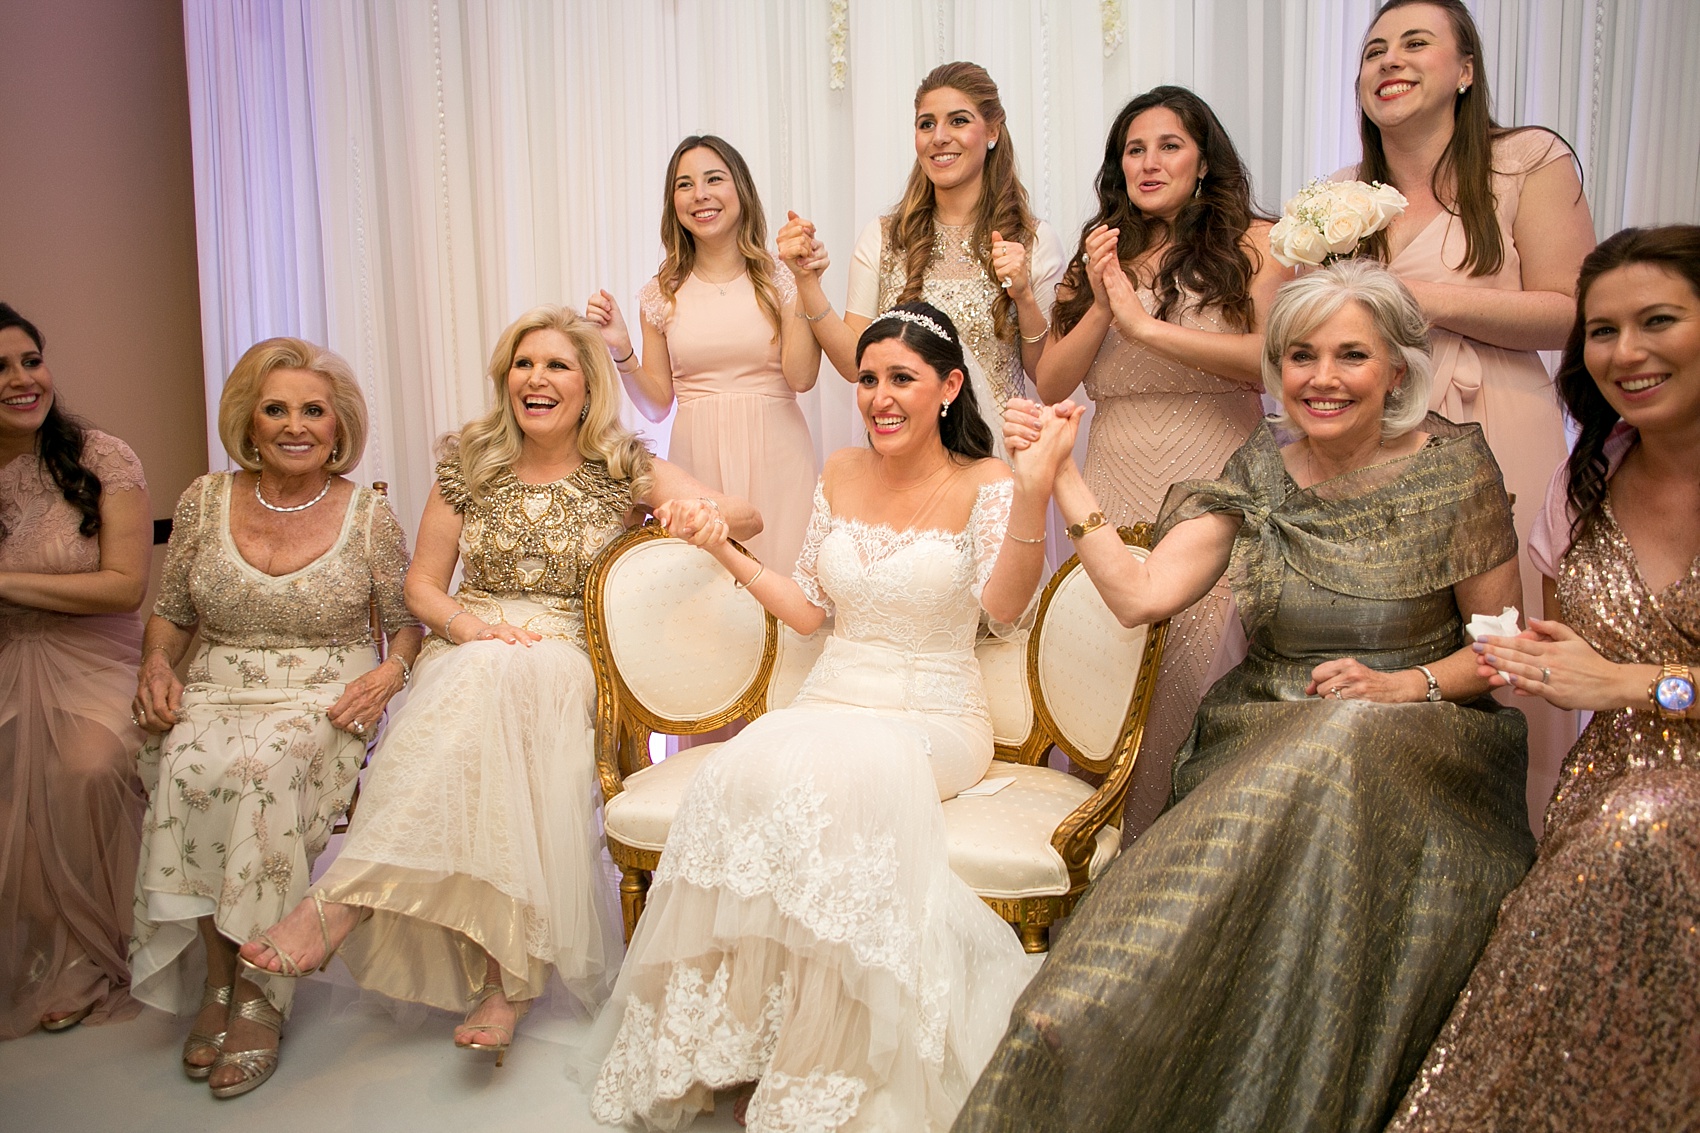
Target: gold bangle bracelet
(1030, 542)
(1042, 333)
(736, 585)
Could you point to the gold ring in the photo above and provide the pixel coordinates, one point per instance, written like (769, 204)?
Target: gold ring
(1338, 695)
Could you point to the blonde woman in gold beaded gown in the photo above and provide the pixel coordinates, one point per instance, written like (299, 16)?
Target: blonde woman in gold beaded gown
(1583, 1012)
(962, 238)
(1161, 313)
(254, 759)
(1277, 952)
(475, 858)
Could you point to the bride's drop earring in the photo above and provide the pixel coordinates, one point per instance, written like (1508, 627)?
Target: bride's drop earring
(945, 408)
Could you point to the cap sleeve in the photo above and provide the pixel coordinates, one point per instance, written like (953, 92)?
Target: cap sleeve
(1047, 263)
(386, 557)
(653, 306)
(113, 461)
(175, 604)
(451, 482)
(820, 522)
(863, 295)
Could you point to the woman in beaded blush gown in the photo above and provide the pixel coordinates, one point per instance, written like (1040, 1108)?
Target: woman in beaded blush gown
(1490, 244)
(805, 930)
(720, 338)
(1584, 1010)
(74, 539)
(1278, 950)
(1161, 313)
(962, 238)
(278, 567)
(473, 865)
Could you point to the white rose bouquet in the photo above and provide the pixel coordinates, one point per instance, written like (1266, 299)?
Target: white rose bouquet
(1329, 219)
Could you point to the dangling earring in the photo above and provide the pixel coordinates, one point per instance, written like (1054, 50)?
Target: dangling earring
(336, 452)
(1197, 188)
(945, 408)
(584, 411)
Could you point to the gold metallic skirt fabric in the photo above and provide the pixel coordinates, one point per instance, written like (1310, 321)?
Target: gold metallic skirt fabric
(1278, 951)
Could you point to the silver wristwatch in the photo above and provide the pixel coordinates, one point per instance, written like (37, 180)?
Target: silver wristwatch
(1433, 685)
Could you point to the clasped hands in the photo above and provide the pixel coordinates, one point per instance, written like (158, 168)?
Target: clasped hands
(1550, 660)
(1040, 439)
(1110, 285)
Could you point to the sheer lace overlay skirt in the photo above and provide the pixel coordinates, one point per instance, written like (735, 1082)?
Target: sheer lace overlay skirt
(805, 931)
(477, 831)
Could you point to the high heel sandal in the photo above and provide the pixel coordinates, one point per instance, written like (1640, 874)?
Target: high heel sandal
(256, 1065)
(287, 967)
(480, 997)
(54, 1026)
(201, 1040)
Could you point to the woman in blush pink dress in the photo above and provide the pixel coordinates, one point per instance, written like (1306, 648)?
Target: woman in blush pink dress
(74, 525)
(1490, 245)
(720, 339)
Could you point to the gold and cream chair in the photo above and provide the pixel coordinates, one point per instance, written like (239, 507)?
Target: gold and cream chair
(1082, 683)
(677, 650)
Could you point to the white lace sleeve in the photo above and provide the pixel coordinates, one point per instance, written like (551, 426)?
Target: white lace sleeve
(784, 283)
(986, 527)
(655, 310)
(820, 522)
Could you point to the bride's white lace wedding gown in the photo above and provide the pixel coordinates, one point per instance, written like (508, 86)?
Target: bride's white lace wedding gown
(804, 928)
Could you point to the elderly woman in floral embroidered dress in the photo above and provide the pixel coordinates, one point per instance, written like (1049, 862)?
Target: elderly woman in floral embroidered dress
(255, 758)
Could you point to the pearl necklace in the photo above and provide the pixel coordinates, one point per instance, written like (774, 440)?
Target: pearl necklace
(269, 506)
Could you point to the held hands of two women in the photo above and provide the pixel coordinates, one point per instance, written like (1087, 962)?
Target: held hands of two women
(1550, 660)
(696, 521)
(1040, 439)
(799, 248)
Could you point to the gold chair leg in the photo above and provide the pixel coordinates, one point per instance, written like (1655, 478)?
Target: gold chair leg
(1035, 937)
(634, 890)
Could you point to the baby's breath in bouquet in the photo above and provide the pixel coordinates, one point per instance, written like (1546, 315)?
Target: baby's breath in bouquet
(1327, 220)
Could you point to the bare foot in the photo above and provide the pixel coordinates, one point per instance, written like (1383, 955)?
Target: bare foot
(243, 1034)
(300, 936)
(491, 1023)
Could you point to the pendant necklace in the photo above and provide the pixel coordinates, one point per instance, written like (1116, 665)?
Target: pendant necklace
(269, 506)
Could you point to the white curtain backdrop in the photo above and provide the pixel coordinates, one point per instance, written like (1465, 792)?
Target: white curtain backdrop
(399, 178)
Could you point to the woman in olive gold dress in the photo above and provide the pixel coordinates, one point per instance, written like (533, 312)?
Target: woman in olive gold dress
(1280, 947)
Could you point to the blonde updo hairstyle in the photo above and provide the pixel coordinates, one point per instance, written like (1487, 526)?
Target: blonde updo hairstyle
(241, 396)
(1317, 296)
(491, 444)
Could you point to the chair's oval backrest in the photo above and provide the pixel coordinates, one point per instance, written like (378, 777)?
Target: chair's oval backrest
(1003, 668)
(685, 644)
(1086, 664)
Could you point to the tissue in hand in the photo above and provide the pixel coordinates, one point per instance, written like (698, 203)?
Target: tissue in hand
(1503, 624)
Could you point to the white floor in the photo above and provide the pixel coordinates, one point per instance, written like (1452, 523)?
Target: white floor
(348, 1064)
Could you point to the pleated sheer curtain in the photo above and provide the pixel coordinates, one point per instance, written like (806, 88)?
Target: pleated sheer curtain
(399, 178)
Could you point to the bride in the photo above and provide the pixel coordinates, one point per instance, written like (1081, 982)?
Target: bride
(804, 929)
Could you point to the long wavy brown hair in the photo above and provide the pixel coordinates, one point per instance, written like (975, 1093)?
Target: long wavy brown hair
(1002, 207)
(1674, 248)
(1206, 253)
(1462, 180)
(681, 246)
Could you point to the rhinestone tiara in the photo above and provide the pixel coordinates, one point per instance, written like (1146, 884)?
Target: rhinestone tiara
(921, 321)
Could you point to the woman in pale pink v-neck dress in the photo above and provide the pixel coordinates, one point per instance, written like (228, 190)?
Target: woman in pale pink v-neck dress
(1493, 302)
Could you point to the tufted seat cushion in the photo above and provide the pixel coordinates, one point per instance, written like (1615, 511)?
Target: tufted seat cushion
(1001, 844)
(641, 815)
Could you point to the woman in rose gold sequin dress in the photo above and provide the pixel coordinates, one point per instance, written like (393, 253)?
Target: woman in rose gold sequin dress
(1168, 344)
(1584, 1011)
(73, 567)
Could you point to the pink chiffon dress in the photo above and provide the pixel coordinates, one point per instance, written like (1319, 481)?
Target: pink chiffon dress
(738, 428)
(70, 800)
(1510, 394)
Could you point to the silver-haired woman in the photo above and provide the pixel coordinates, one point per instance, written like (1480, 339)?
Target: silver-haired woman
(1279, 949)
(476, 858)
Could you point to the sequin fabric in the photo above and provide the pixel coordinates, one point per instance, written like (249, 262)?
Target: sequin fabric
(1584, 1012)
(534, 541)
(960, 286)
(1156, 421)
(1278, 951)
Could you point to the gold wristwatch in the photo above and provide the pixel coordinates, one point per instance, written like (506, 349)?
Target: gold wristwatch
(1672, 691)
(1086, 526)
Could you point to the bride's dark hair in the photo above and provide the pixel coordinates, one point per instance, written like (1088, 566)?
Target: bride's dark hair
(963, 431)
